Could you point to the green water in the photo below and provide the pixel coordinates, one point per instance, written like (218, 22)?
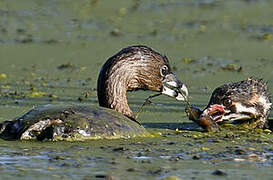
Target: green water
(208, 43)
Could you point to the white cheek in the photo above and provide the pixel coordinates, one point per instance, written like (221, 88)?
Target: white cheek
(240, 108)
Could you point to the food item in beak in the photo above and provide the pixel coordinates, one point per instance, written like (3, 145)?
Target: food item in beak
(215, 112)
(204, 119)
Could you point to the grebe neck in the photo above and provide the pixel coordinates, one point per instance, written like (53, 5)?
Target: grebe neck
(113, 83)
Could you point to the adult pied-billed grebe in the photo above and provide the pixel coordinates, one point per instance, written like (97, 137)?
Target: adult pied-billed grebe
(135, 67)
(244, 102)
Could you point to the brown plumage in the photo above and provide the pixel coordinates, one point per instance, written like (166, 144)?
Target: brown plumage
(133, 68)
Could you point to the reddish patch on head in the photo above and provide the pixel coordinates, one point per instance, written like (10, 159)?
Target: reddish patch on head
(215, 112)
(217, 107)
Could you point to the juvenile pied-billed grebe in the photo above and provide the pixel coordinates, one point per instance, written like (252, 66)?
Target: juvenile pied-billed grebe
(135, 67)
(242, 102)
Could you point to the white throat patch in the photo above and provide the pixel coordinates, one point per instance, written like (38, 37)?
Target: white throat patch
(267, 105)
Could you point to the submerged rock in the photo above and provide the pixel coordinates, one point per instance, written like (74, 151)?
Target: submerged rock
(71, 123)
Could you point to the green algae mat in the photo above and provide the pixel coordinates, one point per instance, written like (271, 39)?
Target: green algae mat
(51, 53)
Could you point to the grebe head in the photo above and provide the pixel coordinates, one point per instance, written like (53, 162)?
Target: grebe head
(239, 102)
(133, 68)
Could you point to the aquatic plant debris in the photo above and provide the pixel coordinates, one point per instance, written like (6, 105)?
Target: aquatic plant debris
(36, 94)
(146, 102)
(3, 76)
(188, 107)
(189, 111)
(68, 65)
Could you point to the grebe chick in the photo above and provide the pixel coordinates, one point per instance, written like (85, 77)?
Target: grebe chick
(242, 102)
(135, 67)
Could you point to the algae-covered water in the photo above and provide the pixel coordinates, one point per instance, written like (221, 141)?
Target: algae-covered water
(51, 52)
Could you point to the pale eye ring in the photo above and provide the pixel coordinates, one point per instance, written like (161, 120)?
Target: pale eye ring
(164, 70)
(227, 102)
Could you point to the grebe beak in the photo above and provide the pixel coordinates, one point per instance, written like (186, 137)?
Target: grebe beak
(174, 87)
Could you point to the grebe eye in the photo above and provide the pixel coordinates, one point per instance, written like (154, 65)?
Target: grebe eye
(164, 70)
(227, 102)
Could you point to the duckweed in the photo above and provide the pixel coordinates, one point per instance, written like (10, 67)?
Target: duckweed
(3, 76)
(36, 94)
